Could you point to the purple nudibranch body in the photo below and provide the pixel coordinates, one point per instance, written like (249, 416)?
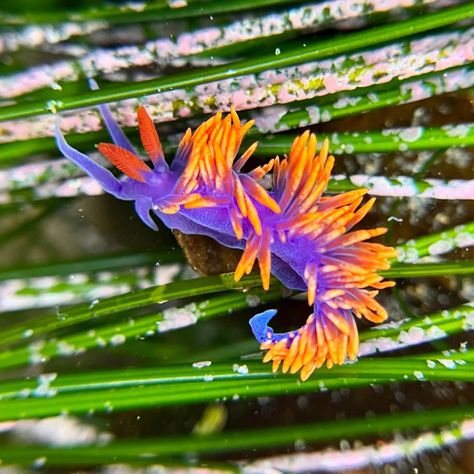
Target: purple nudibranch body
(295, 233)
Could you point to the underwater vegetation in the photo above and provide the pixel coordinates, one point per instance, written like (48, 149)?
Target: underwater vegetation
(121, 351)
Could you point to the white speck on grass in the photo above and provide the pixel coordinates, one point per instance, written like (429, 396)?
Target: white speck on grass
(411, 255)
(390, 325)
(431, 364)
(457, 131)
(344, 102)
(53, 105)
(58, 431)
(100, 341)
(435, 332)
(93, 303)
(448, 363)
(177, 3)
(314, 114)
(348, 148)
(326, 116)
(65, 349)
(378, 344)
(241, 369)
(36, 357)
(372, 97)
(201, 364)
(419, 375)
(166, 273)
(208, 378)
(464, 239)
(117, 339)
(411, 134)
(175, 318)
(468, 321)
(414, 335)
(39, 462)
(44, 385)
(27, 333)
(24, 393)
(440, 247)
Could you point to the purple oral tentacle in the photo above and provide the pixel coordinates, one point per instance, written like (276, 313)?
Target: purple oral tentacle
(114, 130)
(104, 177)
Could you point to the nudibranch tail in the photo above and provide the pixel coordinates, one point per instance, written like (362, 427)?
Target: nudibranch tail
(338, 267)
(293, 230)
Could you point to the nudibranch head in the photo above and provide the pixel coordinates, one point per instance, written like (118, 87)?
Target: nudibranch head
(303, 237)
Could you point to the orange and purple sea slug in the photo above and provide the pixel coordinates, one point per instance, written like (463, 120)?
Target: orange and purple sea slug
(295, 232)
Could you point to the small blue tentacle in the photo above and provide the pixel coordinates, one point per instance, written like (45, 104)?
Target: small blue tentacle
(261, 330)
(143, 208)
(105, 178)
(114, 130)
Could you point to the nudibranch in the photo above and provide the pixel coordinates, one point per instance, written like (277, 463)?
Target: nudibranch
(294, 231)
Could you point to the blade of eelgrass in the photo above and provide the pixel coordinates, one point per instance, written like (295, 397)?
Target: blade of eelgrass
(366, 99)
(461, 236)
(156, 11)
(310, 51)
(404, 186)
(133, 451)
(116, 333)
(135, 271)
(389, 140)
(405, 450)
(418, 270)
(182, 385)
(402, 368)
(329, 107)
(61, 291)
(450, 45)
(416, 331)
(92, 264)
(181, 289)
(126, 302)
